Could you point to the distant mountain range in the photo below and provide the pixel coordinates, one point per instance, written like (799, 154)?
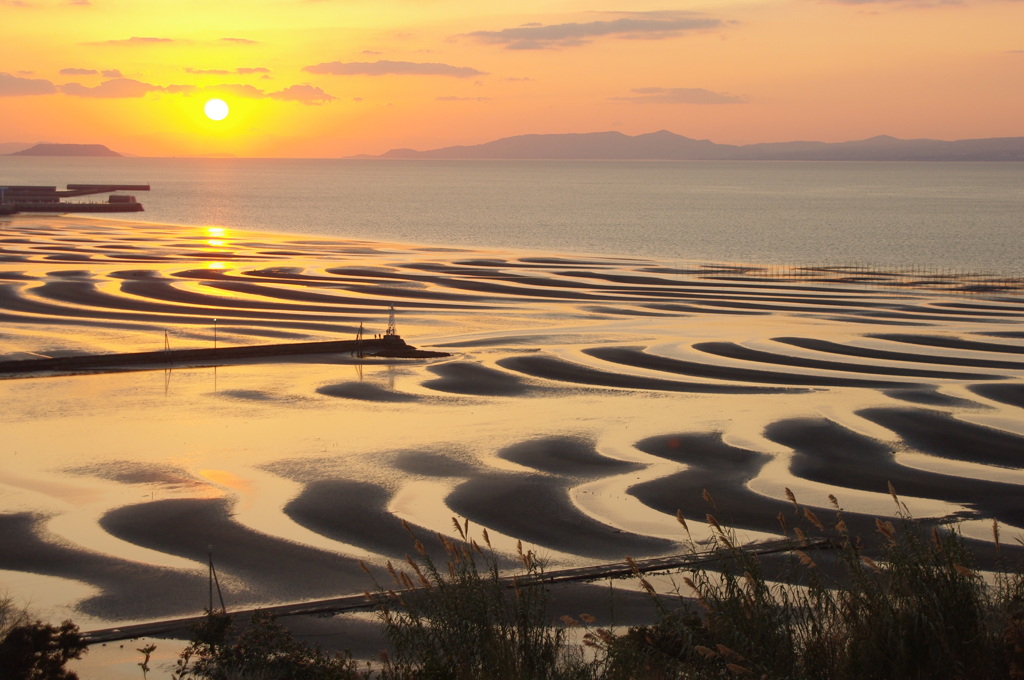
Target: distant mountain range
(66, 150)
(666, 145)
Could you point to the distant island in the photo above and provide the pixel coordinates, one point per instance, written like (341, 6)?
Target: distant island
(665, 145)
(97, 150)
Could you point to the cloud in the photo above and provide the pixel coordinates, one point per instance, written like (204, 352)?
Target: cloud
(106, 73)
(463, 99)
(383, 68)
(307, 94)
(908, 3)
(679, 95)
(134, 40)
(239, 41)
(207, 71)
(225, 72)
(25, 3)
(13, 86)
(626, 25)
(118, 88)
(239, 90)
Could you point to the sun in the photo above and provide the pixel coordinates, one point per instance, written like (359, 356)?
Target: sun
(216, 109)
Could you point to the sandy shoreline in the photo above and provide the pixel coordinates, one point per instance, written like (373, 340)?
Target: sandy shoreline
(645, 382)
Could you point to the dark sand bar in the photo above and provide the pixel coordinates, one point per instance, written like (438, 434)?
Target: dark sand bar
(576, 404)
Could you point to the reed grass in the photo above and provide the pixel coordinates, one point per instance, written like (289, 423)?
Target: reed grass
(465, 623)
(914, 606)
(920, 611)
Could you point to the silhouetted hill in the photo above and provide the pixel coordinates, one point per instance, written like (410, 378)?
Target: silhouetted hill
(67, 150)
(7, 148)
(664, 145)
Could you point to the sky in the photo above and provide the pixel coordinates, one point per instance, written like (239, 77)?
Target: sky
(332, 78)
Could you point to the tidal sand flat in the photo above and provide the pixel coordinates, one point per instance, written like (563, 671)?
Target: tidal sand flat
(586, 400)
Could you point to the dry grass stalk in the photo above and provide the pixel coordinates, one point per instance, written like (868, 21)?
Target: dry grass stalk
(887, 529)
(813, 519)
(706, 652)
(792, 499)
(682, 520)
(805, 559)
(739, 670)
(892, 492)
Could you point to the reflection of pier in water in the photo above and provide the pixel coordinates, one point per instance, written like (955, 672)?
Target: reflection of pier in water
(386, 346)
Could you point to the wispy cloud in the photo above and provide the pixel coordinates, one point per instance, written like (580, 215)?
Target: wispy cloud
(306, 94)
(13, 86)
(208, 71)
(238, 90)
(40, 5)
(625, 25)
(118, 88)
(679, 95)
(240, 41)
(134, 40)
(463, 99)
(106, 73)
(384, 68)
(225, 72)
(925, 4)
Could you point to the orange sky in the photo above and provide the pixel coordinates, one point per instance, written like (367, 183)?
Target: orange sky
(327, 78)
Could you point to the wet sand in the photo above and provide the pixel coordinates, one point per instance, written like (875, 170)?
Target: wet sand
(586, 401)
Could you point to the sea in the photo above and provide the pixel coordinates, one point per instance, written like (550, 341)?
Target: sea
(950, 217)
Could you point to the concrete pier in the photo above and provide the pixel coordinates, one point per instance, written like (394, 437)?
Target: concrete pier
(386, 346)
(182, 627)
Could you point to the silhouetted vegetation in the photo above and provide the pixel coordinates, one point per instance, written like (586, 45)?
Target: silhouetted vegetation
(33, 650)
(462, 622)
(263, 650)
(918, 609)
(921, 611)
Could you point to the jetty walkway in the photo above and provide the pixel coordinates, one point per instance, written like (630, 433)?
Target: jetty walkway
(181, 627)
(384, 346)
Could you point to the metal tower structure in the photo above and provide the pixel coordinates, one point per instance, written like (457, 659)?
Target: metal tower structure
(391, 322)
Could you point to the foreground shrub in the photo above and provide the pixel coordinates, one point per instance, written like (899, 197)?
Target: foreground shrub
(264, 650)
(36, 650)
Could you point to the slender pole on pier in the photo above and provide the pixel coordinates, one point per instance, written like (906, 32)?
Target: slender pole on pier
(214, 581)
(215, 334)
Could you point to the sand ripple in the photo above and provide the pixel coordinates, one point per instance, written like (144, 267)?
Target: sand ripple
(588, 401)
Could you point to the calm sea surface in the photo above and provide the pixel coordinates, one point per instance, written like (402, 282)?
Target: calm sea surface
(962, 216)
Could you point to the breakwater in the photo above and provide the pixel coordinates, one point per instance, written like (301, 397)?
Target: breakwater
(392, 346)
